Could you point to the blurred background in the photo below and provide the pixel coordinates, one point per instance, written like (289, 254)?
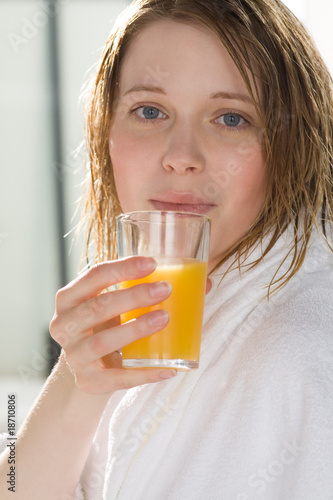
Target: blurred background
(48, 50)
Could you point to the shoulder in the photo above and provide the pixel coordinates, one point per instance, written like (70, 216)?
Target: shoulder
(295, 323)
(292, 334)
(305, 304)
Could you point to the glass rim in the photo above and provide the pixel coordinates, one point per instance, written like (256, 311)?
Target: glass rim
(128, 216)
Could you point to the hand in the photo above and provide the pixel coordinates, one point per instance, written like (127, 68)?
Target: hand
(209, 285)
(86, 324)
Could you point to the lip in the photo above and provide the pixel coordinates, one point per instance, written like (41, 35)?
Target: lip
(181, 202)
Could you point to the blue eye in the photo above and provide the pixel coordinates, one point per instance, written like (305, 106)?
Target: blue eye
(232, 120)
(148, 112)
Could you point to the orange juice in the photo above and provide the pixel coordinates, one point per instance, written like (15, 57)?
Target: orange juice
(180, 339)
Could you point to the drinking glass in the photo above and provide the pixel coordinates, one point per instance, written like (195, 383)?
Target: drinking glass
(179, 242)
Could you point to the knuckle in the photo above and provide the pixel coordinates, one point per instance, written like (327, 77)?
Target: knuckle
(101, 302)
(97, 345)
(143, 325)
(118, 270)
(94, 273)
(133, 266)
(86, 312)
(71, 329)
(132, 294)
(140, 294)
(53, 325)
(136, 329)
(94, 309)
(60, 331)
(60, 297)
(139, 327)
(125, 269)
(55, 328)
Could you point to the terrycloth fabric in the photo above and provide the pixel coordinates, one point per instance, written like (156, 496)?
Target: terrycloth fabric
(255, 421)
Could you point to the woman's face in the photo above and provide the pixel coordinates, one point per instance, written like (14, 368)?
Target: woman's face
(185, 134)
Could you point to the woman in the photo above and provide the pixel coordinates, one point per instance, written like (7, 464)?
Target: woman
(222, 107)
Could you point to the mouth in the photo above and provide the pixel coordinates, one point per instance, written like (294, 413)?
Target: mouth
(181, 202)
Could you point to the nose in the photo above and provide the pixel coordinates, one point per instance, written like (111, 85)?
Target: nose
(183, 152)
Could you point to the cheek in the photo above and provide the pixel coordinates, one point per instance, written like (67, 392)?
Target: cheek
(132, 152)
(122, 167)
(240, 171)
(123, 150)
(251, 183)
(132, 162)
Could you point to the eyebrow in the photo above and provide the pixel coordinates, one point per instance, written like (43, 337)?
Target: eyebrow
(231, 95)
(216, 95)
(145, 88)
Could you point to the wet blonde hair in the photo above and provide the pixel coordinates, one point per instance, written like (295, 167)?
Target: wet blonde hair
(267, 41)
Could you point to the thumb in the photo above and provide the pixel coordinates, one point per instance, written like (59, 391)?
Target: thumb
(209, 285)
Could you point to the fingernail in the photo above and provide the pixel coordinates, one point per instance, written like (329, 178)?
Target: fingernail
(168, 374)
(160, 289)
(158, 318)
(147, 264)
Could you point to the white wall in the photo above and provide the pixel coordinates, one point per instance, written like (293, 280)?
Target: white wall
(28, 261)
(317, 15)
(85, 26)
(319, 18)
(29, 266)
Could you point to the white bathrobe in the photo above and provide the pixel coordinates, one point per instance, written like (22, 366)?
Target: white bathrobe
(255, 421)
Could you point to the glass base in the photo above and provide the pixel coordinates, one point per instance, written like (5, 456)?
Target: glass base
(177, 364)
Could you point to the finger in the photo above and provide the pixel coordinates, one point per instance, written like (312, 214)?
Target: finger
(71, 329)
(89, 314)
(112, 360)
(96, 346)
(110, 380)
(110, 323)
(209, 285)
(101, 276)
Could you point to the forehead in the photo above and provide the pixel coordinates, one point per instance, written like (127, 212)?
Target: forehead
(165, 51)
